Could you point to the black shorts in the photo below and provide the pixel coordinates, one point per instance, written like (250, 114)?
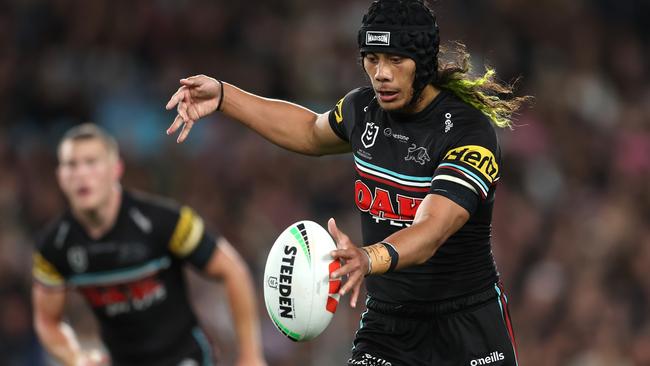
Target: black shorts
(470, 331)
(195, 350)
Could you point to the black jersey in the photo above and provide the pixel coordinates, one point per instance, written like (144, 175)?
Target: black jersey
(132, 276)
(450, 149)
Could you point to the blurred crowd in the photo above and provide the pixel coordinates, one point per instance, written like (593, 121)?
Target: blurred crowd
(570, 230)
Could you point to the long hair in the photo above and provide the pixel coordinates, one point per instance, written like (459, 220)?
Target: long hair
(493, 98)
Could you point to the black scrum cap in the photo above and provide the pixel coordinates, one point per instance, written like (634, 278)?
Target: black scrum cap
(406, 28)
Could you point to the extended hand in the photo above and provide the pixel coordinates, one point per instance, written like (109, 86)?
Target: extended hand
(355, 262)
(197, 97)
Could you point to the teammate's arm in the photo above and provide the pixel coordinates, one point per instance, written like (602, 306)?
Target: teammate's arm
(285, 124)
(226, 264)
(436, 219)
(56, 336)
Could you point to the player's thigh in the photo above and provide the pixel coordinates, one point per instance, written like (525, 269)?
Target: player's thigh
(384, 340)
(481, 335)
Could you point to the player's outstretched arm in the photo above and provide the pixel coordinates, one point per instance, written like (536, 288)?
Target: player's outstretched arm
(56, 336)
(226, 264)
(285, 124)
(437, 218)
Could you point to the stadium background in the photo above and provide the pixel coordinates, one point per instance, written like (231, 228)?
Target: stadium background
(571, 234)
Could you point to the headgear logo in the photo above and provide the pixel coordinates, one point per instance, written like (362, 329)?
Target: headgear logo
(374, 38)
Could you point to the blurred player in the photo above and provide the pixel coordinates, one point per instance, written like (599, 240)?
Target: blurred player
(428, 162)
(124, 252)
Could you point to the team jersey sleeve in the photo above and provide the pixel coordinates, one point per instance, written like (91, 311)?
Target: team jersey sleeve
(469, 169)
(48, 262)
(345, 113)
(189, 240)
(45, 273)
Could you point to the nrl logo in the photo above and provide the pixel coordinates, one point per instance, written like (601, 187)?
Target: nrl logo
(377, 38)
(369, 135)
(78, 258)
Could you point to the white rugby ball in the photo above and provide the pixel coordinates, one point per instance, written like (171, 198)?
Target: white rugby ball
(299, 295)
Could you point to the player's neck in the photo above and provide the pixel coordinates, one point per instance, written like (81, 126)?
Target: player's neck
(99, 221)
(429, 93)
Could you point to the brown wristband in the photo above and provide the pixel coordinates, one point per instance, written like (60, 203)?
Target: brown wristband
(380, 259)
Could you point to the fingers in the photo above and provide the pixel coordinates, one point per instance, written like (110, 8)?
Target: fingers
(187, 112)
(193, 81)
(345, 269)
(355, 295)
(182, 100)
(183, 92)
(186, 130)
(192, 112)
(177, 100)
(334, 231)
(189, 81)
(339, 237)
(189, 109)
(353, 259)
(177, 97)
(346, 254)
(178, 122)
(353, 281)
(182, 110)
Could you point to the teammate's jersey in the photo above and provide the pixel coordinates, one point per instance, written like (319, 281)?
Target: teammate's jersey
(450, 149)
(132, 276)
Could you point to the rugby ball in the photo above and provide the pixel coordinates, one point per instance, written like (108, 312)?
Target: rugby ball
(299, 295)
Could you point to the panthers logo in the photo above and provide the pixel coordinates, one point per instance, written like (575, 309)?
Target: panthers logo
(417, 154)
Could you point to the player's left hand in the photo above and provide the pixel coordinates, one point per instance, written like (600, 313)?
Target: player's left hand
(355, 262)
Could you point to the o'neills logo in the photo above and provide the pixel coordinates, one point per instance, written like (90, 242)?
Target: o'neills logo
(286, 274)
(374, 38)
(493, 357)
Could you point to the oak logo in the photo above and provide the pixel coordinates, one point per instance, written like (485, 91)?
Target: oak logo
(383, 205)
(478, 157)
